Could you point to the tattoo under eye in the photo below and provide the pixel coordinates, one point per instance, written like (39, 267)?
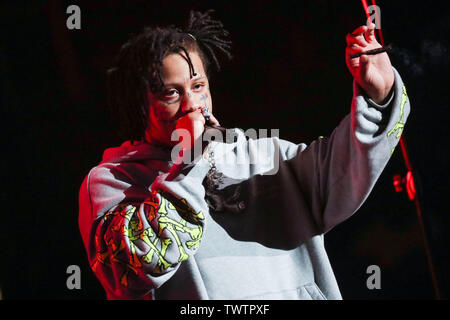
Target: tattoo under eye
(172, 102)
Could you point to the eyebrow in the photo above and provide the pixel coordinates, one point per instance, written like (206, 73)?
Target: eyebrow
(200, 76)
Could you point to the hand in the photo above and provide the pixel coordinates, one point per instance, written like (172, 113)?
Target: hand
(373, 73)
(190, 128)
(213, 121)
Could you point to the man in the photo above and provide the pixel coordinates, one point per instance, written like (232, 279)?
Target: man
(159, 227)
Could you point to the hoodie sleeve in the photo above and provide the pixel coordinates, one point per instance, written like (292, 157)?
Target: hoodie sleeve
(137, 237)
(336, 174)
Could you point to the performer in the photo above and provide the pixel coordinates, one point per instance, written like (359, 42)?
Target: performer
(158, 227)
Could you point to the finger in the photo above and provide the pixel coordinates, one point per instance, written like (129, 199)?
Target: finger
(191, 117)
(201, 117)
(205, 112)
(199, 110)
(359, 31)
(369, 34)
(214, 121)
(359, 40)
(353, 63)
(353, 49)
(196, 115)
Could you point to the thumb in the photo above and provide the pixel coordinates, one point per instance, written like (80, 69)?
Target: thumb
(214, 121)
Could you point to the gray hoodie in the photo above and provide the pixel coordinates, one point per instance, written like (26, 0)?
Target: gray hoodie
(153, 231)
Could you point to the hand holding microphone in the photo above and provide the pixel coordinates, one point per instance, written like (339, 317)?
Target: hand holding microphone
(209, 118)
(212, 123)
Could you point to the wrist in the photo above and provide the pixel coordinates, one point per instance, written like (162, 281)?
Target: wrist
(381, 97)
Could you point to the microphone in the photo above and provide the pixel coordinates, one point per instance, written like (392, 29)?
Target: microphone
(372, 52)
(209, 124)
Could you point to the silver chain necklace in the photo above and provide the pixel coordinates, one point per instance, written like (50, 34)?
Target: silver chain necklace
(214, 177)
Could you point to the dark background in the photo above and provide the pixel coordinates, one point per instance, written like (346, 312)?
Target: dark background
(288, 72)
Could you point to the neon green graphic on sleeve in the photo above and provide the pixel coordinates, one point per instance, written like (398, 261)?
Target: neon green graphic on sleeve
(126, 227)
(400, 123)
(167, 223)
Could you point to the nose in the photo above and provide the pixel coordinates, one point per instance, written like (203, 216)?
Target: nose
(189, 103)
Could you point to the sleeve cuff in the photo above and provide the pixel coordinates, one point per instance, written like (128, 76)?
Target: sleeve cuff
(381, 106)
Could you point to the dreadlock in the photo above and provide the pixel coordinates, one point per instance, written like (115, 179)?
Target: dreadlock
(137, 68)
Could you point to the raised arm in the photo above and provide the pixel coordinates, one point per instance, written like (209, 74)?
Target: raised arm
(336, 174)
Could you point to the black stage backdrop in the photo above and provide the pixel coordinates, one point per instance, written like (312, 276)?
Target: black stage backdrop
(288, 72)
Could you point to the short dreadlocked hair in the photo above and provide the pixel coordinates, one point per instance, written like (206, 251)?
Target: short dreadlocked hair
(137, 68)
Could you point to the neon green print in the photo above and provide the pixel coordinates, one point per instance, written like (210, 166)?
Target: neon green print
(105, 257)
(124, 221)
(164, 245)
(121, 226)
(145, 236)
(170, 224)
(195, 233)
(400, 123)
(148, 257)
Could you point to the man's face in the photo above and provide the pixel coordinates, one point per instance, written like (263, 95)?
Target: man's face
(182, 95)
